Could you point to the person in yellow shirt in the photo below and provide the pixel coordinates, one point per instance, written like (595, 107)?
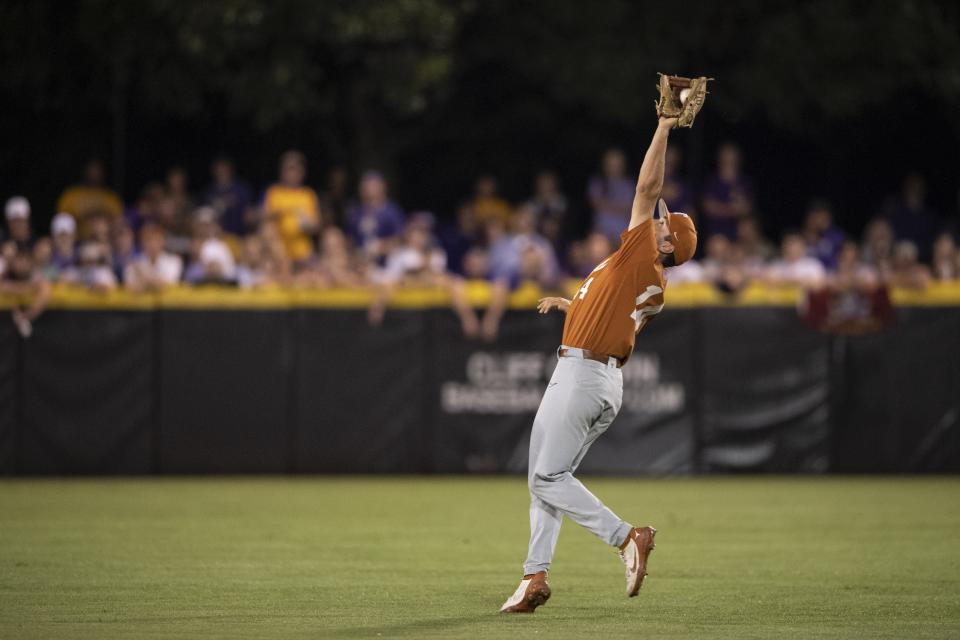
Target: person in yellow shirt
(487, 203)
(293, 207)
(90, 198)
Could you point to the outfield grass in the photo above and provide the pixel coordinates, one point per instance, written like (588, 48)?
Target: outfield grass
(425, 558)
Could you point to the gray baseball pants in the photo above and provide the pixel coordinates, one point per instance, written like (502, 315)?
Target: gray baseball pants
(581, 401)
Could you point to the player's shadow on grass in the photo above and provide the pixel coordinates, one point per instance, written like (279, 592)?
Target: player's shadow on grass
(435, 624)
(443, 624)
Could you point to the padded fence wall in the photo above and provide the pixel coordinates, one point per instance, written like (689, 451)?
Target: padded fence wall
(710, 389)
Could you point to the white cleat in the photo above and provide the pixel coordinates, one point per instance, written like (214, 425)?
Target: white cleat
(634, 552)
(532, 592)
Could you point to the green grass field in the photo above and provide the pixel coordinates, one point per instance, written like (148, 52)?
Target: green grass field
(434, 558)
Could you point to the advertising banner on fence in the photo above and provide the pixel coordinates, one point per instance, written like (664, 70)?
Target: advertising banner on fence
(488, 398)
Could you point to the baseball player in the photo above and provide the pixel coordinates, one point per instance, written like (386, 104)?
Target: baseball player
(583, 397)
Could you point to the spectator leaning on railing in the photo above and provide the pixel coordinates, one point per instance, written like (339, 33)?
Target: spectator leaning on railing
(64, 231)
(154, 268)
(795, 267)
(294, 240)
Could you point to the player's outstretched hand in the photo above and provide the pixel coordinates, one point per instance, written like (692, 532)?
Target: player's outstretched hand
(547, 304)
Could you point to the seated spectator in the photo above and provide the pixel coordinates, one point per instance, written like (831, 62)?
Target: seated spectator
(293, 207)
(98, 229)
(611, 195)
(337, 266)
(728, 195)
(912, 219)
(375, 223)
(716, 254)
(824, 238)
(689, 271)
(154, 268)
(43, 260)
(178, 192)
(946, 258)
(205, 232)
(90, 198)
(459, 238)
(538, 261)
(512, 258)
(213, 264)
(795, 267)
(419, 261)
(335, 200)
(550, 208)
(262, 259)
(93, 270)
(122, 247)
(676, 191)
(851, 273)
(725, 265)
(18, 222)
(906, 271)
(584, 256)
(476, 264)
(230, 197)
(32, 292)
(255, 269)
(756, 248)
(64, 232)
(176, 225)
(878, 244)
(486, 202)
(147, 207)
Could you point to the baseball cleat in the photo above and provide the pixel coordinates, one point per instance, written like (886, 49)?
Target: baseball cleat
(634, 552)
(532, 592)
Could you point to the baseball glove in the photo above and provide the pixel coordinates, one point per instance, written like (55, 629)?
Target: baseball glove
(681, 98)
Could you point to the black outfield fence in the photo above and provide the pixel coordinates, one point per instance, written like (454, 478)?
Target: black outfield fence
(308, 390)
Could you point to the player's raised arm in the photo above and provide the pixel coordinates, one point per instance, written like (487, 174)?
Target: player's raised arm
(650, 181)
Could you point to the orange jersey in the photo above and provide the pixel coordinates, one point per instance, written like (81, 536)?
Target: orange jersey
(618, 297)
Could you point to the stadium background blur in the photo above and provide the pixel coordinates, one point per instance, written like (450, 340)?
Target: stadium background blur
(291, 237)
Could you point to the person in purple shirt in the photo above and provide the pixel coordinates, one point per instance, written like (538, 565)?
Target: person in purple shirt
(611, 195)
(376, 222)
(824, 239)
(728, 195)
(230, 197)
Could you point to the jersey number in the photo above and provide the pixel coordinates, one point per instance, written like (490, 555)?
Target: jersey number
(584, 288)
(639, 315)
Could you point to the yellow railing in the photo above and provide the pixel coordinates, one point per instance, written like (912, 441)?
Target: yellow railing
(525, 297)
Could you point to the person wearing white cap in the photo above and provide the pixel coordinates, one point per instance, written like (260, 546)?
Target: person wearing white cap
(214, 264)
(64, 232)
(18, 221)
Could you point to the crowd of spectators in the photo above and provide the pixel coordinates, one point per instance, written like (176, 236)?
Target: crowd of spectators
(290, 235)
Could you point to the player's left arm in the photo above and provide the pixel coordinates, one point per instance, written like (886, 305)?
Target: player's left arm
(650, 181)
(545, 305)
